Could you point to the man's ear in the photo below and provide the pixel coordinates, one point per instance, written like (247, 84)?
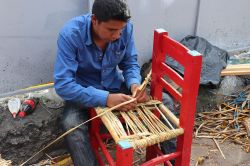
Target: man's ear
(94, 19)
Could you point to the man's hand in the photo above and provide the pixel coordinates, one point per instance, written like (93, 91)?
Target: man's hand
(141, 96)
(115, 99)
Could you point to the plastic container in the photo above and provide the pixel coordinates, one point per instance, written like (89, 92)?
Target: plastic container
(28, 107)
(14, 105)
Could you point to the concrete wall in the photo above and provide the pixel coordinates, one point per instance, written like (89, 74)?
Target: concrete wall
(225, 23)
(29, 30)
(175, 16)
(28, 35)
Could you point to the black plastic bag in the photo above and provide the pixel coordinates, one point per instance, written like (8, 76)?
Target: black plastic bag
(213, 61)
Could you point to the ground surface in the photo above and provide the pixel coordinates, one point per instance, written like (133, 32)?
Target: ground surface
(234, 155)
(20, 138)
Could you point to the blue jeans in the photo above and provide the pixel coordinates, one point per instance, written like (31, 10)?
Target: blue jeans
(78, 142)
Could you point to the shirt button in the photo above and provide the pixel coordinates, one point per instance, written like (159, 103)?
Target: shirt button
(100, 57)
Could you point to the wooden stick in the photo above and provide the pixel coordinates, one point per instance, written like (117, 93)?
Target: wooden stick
(206, 136)
(170, 115)
(163, 116)
(219, 148)
(197, 131)
(246, 123)
(234, 72)
(143, 85)
(241, 69)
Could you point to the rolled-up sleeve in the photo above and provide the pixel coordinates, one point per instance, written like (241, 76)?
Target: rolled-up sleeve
(129, 65)
(65, 77)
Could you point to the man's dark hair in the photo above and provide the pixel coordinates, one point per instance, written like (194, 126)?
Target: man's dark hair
(106, 10)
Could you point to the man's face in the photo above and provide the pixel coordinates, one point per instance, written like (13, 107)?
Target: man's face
(108, 31)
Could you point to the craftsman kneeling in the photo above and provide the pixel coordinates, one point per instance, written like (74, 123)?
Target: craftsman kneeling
(90, 49)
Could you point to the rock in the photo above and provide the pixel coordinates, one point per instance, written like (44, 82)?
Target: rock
(231, 84)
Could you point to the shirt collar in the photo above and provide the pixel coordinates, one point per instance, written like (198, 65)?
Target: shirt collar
(88, 40)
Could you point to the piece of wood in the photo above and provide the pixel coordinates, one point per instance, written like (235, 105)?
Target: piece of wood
(233, 73)
(241, 69)
(239, 66)
(170, 115)
(246, 123)
(216, 143)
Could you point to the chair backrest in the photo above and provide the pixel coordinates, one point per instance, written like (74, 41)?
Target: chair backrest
(191, 61)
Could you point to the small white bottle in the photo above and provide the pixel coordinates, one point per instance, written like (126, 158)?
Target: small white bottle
(14, 105)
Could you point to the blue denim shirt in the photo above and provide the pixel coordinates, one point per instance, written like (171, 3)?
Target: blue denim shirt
(86, 75)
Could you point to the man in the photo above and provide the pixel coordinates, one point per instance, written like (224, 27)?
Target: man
(90, 50)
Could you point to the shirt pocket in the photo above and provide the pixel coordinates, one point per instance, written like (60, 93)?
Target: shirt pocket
(117, 54)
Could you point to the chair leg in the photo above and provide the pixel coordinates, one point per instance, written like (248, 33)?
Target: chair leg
(95, 128)
(150, 153)
(95, 148)
(185, 148)
(124, 154)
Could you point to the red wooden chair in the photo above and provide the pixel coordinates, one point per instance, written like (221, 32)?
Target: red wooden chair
(189, 83)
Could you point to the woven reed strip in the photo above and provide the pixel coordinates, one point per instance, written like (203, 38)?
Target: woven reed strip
(152, 123)
(109, 117)
(152, 120)
(116, 124)
(166, 128)
(108, 123)
(134, 136)
(121, 130)
(145, 142)
(164, 117)
(150, 103)
(128, 131)
(154, 139)
(147, 122)
(137, 121)
(157, 123)
(156, 120)
(144, 84)
(109, 126)
(130, 123)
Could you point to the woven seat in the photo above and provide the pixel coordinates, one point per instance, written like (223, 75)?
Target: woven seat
(143, 128)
